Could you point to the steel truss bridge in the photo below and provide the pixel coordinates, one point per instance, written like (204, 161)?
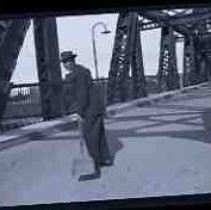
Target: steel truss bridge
(191, 26)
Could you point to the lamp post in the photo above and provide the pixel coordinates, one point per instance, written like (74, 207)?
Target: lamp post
(106, 31)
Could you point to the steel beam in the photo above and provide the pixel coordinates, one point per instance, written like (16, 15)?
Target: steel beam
(147, 26)
(179, 38)
(178, 19)
(168, 78)
(137, 66)
(118, 83)
(189, 63)
(49, 70)
(10, 45)
(163, 20)
(203, 56)
(124, 68)
(4, 26)
(126, 53)
(118, 48)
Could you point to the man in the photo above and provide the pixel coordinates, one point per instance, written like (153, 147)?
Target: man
(90, 108)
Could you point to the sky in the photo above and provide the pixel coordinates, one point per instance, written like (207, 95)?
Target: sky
(74, 33)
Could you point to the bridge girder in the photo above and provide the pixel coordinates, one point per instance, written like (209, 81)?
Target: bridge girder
(48, 66)
(163, 20)
(193, 25)
(12, 37)
(189, 24)
(127, 53)
(168, 78)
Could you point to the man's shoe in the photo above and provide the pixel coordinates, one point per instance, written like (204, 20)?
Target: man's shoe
(95, 175)
(97, 166)
(107, 162)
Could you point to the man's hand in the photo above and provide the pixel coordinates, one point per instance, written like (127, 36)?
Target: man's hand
(80, 119)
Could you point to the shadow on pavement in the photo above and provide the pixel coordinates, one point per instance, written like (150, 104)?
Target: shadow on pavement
(92, 176)
(203, 135)
(112, 138)
(206, 116)
(113, 143)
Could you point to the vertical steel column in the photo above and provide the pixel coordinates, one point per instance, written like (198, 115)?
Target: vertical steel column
(202, 46)
(168, 78)
(115, 60)
(189, 67)
(174, 80)
(163, 60)
(4, 27)
(138, 77)
(12, 34)
(123, 80)
(206, 72)
(208, 75)
(48, 64)
(118, 84)
(199, 58)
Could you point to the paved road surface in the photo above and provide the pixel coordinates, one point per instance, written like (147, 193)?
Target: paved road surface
(162, 149)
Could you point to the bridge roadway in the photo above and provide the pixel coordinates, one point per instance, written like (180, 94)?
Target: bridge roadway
(160, 149)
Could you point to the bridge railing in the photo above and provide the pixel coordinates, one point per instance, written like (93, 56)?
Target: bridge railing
(24, 102)
(23, 106)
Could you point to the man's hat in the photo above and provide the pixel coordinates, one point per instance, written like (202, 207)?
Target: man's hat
(67, 55)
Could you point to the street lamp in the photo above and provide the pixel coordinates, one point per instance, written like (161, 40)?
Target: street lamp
(106, 31)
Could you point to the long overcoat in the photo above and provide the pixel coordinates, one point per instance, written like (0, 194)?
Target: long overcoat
(91, 107)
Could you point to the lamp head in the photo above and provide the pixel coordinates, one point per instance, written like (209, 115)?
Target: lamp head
(106, 32)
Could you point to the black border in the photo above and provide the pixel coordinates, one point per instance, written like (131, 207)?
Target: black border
(82, 7)
(165, 202)
(59, 8)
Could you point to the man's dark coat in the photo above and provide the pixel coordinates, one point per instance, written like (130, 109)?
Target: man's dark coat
(90, 106)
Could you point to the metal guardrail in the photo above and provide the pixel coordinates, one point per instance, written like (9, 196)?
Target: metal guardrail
(24, 101)
(24, 104)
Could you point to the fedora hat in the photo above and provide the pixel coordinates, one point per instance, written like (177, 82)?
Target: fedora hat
(67, 55)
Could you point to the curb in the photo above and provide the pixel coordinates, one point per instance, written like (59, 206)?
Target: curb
(118, 108)
(36, 131)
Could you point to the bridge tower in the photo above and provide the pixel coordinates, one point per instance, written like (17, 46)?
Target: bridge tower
(189, 62)
(12, 34)
(127, 54)
(48, 66)
(168, 78)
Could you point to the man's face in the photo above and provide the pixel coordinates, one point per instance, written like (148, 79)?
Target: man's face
(69, 65)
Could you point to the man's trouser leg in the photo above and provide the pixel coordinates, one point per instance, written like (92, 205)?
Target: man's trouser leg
(95, 138)
(104, 149)
(81, 131)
